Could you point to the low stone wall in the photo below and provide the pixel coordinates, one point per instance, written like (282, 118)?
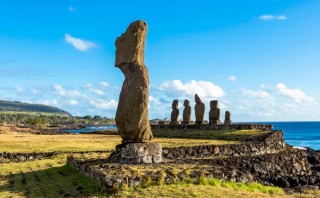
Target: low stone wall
(22, 157)
(241, 126)
(273, 142)
(278, 169)
(289, 168)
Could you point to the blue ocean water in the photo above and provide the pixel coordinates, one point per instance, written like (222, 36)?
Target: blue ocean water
(300, 134)
(93, 128)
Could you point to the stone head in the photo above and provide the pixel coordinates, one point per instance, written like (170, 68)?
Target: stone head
(197, 99)
(175, 104)
(186, 103)
(130, 45)
(228, 114)
(214, 104)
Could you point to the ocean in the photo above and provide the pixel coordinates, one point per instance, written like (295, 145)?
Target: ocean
(298, 134)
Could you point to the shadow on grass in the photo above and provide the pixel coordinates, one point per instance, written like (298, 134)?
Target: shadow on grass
(52, 182)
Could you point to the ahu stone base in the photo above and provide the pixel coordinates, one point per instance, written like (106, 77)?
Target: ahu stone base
(137, 153)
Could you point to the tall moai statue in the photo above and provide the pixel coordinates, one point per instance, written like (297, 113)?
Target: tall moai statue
(199, 109)
(214, 113)
(186, 112)
(132, 113)
(227, 118)
(175, 112)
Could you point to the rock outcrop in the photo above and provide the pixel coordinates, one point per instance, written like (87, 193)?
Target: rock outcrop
(132, 113)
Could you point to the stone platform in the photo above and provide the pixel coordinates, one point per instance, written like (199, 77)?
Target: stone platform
(133, 153)
(268, 161)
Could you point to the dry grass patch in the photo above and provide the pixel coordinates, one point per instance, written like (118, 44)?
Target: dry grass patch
(85, 142)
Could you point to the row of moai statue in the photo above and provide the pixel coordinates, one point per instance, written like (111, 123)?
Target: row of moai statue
(214, 113)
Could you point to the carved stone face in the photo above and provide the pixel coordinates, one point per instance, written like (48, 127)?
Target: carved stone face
(186, 103)
(214, 104)
(197, 99)
(175, 104)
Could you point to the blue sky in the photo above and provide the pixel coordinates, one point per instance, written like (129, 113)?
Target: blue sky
(259, 58)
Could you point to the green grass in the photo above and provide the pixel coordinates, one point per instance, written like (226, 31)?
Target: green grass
(234, 134)
(49, 177)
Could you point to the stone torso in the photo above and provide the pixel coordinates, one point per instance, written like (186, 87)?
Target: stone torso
(199, 110)
(214, 113)
(214, 116)
(187, 115)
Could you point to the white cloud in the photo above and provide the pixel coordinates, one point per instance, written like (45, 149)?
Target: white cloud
(78, 43)
(73, 102)
(255, 94)
(59, 89)
(205, 89)
(19, 89)
(272, 17)
(97, 91)
(232, 78)
(104, 84)
(296, 94)
(154, 100)
(104, 104)
(93, 89)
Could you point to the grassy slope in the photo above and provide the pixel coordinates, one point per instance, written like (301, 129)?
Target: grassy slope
(12, 106)
(32, 113)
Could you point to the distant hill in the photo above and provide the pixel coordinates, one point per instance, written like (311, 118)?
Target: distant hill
(19, 107)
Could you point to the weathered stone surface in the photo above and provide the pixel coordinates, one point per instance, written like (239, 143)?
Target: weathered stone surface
(272, 143)
(199, 109)
(186, 112)
(132, 113)
(175, 112)
(214, 113)
(227, 118)
(132, 153)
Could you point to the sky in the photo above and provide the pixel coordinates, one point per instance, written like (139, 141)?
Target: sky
(260, 59)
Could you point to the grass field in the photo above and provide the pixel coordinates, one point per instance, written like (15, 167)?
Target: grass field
(86, 142)
(53, 178)
(234, 134)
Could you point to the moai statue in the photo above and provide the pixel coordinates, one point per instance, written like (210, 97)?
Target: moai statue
(199, 109)
(227, 118)
(214, 113)
(132, 112)
(175, 112)
(186, 112)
